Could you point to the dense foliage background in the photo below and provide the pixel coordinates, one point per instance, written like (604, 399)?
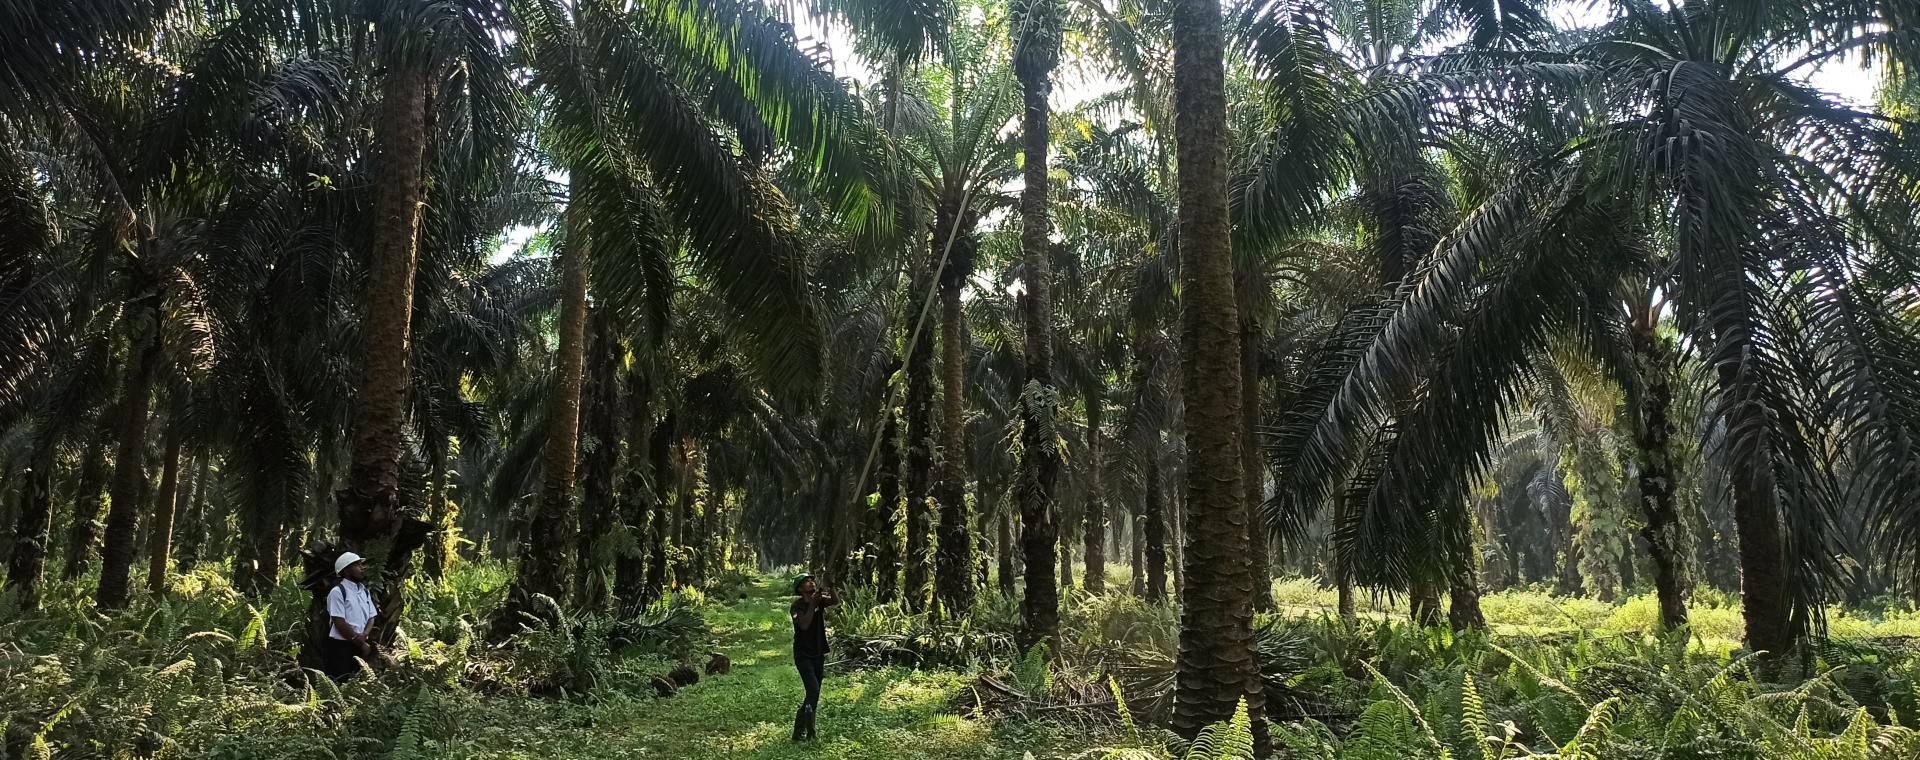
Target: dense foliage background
(1135, 367)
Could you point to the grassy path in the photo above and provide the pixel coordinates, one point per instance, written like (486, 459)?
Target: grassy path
(868, 714)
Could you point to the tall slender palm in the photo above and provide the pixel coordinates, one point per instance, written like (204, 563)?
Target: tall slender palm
(953, 570)
(916, 579)
(969, 161)
(417, 50)
(370, 508)
(1036, 30)
(1217, 665)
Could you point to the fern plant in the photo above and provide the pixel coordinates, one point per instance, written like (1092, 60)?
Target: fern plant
(1034, 674)
(1228, 740)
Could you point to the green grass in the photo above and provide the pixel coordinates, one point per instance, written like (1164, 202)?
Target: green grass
(869, 714)
(1714, 617)
(205, 672)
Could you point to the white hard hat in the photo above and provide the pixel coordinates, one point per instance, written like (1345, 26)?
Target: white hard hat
(346, 558)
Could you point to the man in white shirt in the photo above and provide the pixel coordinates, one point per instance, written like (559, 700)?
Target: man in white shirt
(351, 612)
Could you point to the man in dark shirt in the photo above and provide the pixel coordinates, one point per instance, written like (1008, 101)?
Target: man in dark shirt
(809, 647)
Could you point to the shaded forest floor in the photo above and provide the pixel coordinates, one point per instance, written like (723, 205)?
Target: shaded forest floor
(874, 714)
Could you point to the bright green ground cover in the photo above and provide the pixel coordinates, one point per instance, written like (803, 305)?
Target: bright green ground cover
(204, 673)
(867, 714)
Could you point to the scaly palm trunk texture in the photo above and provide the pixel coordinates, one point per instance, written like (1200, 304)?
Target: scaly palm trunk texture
(1137, 550)
(630, 587)
(1154, 527)
(602, 430)
(33, 530)
(438, 553)
(1463, 607)
(165, 507)
(1653, 361)
(1217, 667)
(953, 573)
(1009, 575)
(89, 496)
(1257, 557)
(129, 473)
(193, 527)
(918, 587)
(369, 505)
(1766, 605)
(885, 518)
(1039, 452)
(544, 557)
(1094, 536)
(660, 459)
(262, 534)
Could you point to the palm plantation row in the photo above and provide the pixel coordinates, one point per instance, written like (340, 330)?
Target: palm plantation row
(1415, 298)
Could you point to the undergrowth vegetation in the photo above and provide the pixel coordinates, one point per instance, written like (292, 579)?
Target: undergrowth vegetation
(204, 673)
(1556, 677)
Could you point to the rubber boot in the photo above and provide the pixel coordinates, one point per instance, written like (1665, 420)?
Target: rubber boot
(802, 724)
(809, 721)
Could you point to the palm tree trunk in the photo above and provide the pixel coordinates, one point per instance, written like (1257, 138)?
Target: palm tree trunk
(1344, 603)
(262, 531)
(322, 510)
(1174, 507)
(886, 514)
(1423, 602)
(1066, 554)
(1217, 667)
(1260, 564)
(34, 529)
(603, 434)
(1136, 536)
(630, 584)
(919, 561)
(89, 493)
(129, 470)
(550, 540)
(697, 496)
(369, 505)
(839, 517)
(438, 553)
(1040, 455)
(660, 454)
(983, 528)
(1658, 471)
(683, 512)
(165, 503)
(193, 533)
(1094, 535)
(1008, 574)
(709, 501)
(1155, 525)
(1463, 610)
(953, 575)
(1756, 514)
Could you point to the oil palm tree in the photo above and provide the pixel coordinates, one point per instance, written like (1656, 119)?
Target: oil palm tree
(634, 134)
(419, 51)
(1035, 26)
(1217, 669)
(1708, 163)
(969, 160)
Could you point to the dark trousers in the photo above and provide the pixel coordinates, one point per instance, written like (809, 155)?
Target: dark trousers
(812, 670)
(336, 658)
